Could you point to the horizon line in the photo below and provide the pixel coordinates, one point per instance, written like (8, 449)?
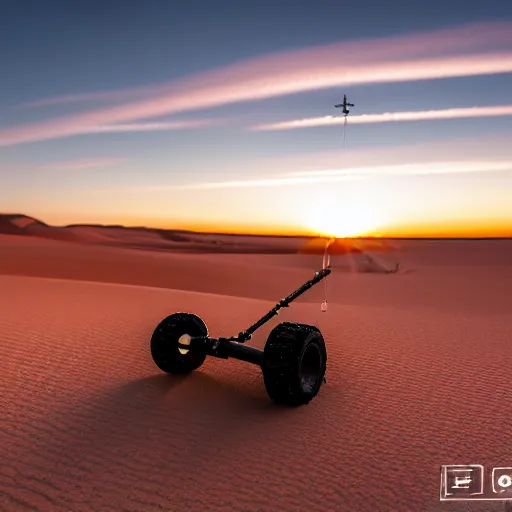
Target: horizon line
(277, 233)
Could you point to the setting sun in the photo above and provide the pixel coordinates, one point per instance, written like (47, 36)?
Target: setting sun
(340, 219)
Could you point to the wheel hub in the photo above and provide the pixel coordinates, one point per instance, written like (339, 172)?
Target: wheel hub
(184, 340)
(310, 368)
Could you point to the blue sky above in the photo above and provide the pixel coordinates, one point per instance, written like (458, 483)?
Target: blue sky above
(127, 52)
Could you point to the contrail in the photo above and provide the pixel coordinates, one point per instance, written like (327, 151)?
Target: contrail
(471, 37)
(390, 117)
(415, 169)
(151, 127)
(337, 175)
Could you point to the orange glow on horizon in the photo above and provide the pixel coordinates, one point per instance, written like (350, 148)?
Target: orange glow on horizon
(449, 229)
(334, 219)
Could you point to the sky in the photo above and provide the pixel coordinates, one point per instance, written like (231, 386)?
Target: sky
(220, 116)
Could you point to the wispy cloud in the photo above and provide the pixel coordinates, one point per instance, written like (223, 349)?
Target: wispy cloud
(389, 117)
(88, 163)
(151, 127)
(415, 169)
(65, 165)
(470, 37)
(477, 49)
(114, 95)
(337, 175)
(90, 129)
(285, 180)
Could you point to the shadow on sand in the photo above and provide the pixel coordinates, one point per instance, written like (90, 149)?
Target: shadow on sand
(162, 423)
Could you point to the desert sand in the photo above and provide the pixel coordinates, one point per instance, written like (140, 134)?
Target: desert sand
(417, 376)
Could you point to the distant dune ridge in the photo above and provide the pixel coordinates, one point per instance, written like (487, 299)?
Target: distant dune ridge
(17, 224)
(361, 257)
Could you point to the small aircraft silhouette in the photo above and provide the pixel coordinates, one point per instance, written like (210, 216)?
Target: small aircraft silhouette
(345, 104)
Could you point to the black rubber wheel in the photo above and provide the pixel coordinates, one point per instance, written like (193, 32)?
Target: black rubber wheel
(165, 349)
(294, 363)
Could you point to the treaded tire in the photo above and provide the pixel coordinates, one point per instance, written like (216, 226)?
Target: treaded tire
(294, 363)
(165, 345)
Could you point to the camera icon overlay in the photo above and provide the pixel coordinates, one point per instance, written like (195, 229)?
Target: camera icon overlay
(462, 482)
(502, 482)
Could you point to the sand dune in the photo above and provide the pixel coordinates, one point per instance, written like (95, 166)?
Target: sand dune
(417, 365)
(146, 238)
(474, 276)
(182, 241)
(90, 424)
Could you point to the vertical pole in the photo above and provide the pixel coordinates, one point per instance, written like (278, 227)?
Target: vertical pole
(346, 112)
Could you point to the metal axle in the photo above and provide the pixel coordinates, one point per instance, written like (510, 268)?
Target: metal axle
(225, 348)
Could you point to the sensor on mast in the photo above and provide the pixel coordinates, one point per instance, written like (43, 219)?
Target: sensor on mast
(345, 104)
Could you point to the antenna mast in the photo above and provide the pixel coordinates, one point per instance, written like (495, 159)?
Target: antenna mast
(327, 259)
(346, 112)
